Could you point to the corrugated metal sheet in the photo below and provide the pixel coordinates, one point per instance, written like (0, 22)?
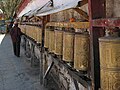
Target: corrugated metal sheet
(32, 6)
(58, 6)
(43, 7)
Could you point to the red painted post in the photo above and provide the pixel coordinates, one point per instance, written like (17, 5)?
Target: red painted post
(96, 11)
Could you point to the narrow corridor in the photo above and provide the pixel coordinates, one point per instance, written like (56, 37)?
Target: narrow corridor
(16, 73)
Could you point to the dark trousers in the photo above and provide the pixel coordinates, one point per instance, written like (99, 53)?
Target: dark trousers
(16, 48)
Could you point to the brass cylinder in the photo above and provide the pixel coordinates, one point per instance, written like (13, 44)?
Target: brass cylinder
(34, 33)
(51, 41)
(39, 34)
(110, 63)
(46, 38)
(68, 46)
(81, 51)
(58, 42)
(22, 27)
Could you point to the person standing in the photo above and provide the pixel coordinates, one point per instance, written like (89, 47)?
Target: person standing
(9, 26)
(16, 33)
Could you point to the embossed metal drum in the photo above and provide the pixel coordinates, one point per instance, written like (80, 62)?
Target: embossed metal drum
(110, 63)
(51, 41)
(24, 29)
(46, 38)
(81, 51)
(27, 30)
(39, 34)
(34, 33)
(30, 31)
(58, 42)
(68, 46)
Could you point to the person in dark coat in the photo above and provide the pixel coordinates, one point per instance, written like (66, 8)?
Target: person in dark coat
(16, 33)
(10, 26)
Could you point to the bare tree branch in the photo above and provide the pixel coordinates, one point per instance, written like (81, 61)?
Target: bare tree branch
(9, 7)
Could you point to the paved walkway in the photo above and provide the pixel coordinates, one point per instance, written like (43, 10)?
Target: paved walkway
(16, 73)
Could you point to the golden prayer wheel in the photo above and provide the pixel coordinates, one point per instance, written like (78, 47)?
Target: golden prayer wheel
(28, 31)
(58, 42)
(51, 40)
(46, 38)
(68, 46)
(34, 33)
(24, 28)
(110, 63)
(81, 51)
(39, 34)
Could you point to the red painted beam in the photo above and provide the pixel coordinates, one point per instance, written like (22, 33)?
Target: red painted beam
(107, 22)
(22, 5)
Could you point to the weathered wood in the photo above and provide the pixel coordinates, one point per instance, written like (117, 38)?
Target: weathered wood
(42, 51)
(80, 77)
(96, 10)
(106, 22)
(69, 24)
(82, 13)
(83, 2)
(48, 70)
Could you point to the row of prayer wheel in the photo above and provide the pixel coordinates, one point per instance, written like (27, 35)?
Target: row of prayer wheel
(74, 47)
(32, 31)
(110, 63)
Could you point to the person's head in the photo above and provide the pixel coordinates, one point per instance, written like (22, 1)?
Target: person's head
(15, 24)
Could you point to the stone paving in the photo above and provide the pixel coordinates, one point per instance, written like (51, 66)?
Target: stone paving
(16, 73)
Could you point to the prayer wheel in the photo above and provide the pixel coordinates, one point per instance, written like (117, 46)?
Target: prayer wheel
(81, 51)
(38, 34)
(27, 30)
(34, 33)
(22, 27)
(51, 40)
(68, 46)
(58, 42)
(110, 63)
(46, 38)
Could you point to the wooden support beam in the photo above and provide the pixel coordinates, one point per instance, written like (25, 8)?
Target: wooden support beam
(48, 70)
(45, 19)
(38, 18)
(42, 50)
(69, 24)
(96, 11)
(79, 77)
(106, 22)
(81, 3)
(82, 13)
